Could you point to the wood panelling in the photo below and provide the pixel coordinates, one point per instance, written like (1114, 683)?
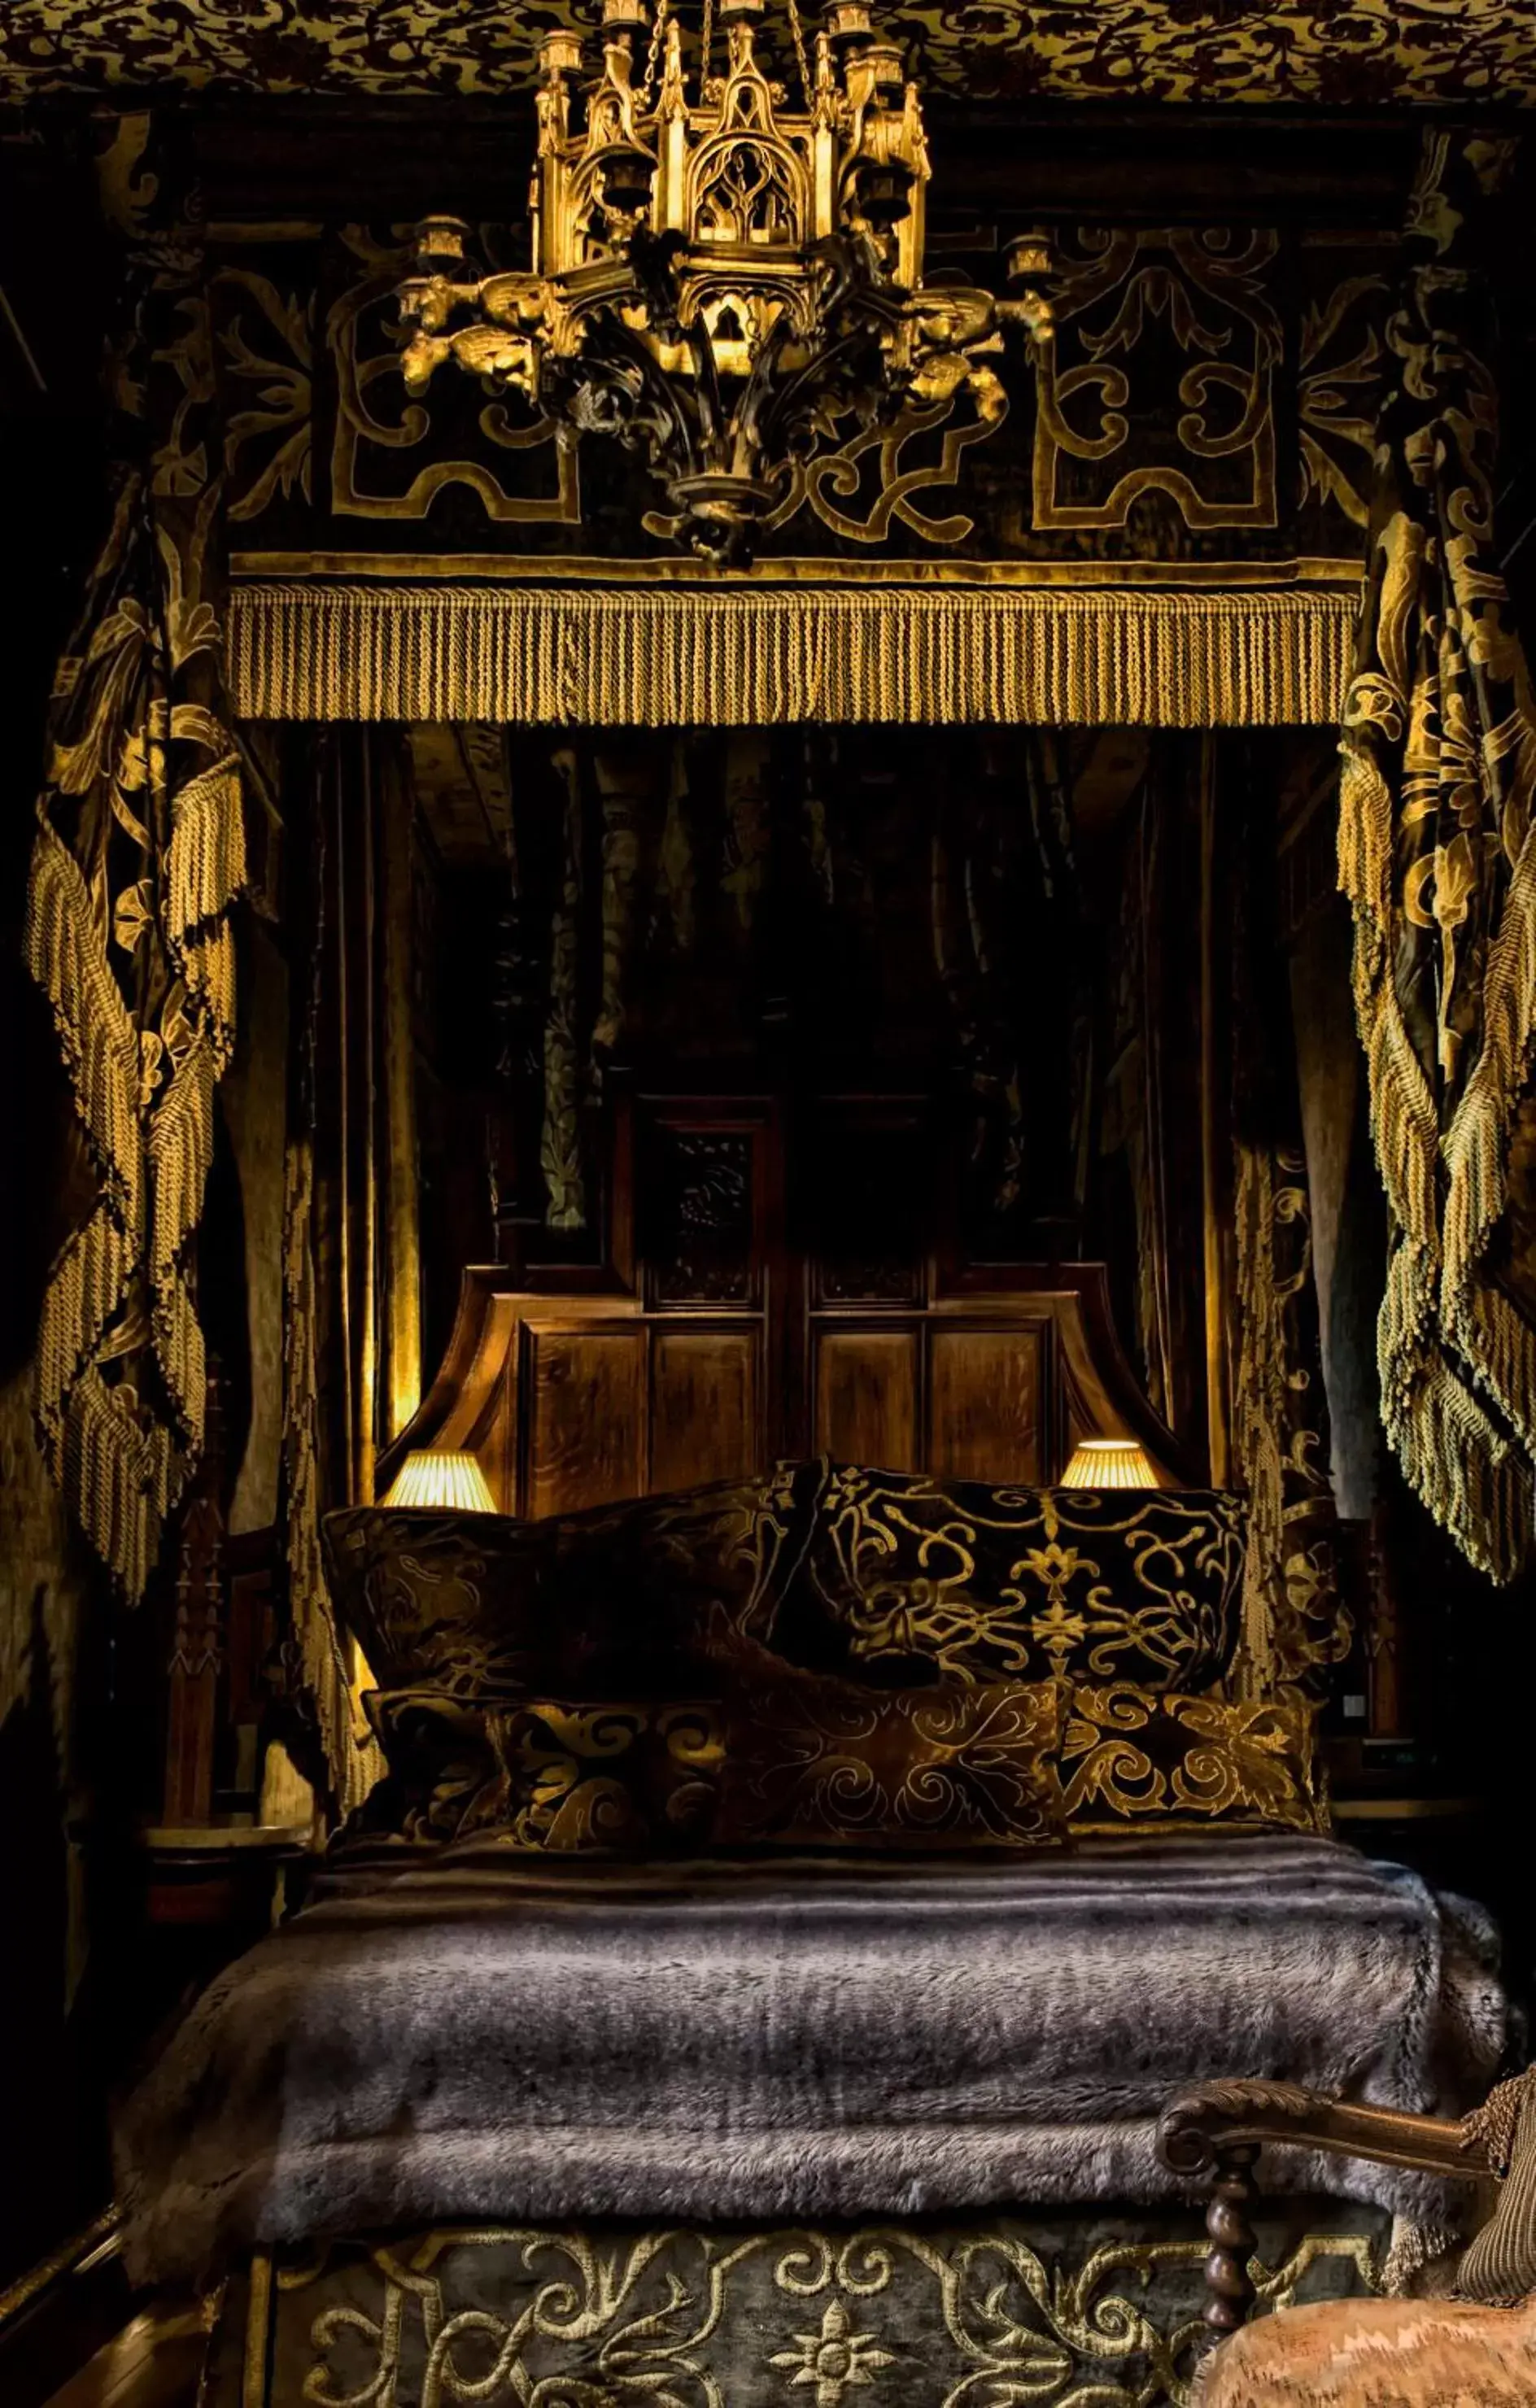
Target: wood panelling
(867, 1397)
(721, 1331)
(987, 1404)
(705, 1416)
(586, 1418)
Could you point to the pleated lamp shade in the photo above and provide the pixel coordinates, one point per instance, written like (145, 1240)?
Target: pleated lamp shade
(1108, 1463)
(444, 1483)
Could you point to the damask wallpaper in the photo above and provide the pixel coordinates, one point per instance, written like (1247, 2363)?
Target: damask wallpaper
(1372, 50)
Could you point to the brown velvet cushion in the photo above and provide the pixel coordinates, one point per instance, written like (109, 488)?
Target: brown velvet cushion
(640, 1599)
(819, 1764)
(444, 1601)
(912, 1578)
(621, 1777)
(1132, 1756)
(634, 1779)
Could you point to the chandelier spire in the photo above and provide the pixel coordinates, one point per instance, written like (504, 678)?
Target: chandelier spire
(718, 279)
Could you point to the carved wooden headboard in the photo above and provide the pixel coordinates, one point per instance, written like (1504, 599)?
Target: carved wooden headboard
(729, 1326)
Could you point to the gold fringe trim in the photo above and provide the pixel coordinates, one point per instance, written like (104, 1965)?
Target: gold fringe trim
(205, 874)
(181, 1158)
(631, 657)
(147, 1110)
(1473, 1481)
(1404, 1107)
(117, 1476)
(66, 956)
(1480, 1322)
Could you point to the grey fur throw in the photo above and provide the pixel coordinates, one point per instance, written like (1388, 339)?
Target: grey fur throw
(499, 2037)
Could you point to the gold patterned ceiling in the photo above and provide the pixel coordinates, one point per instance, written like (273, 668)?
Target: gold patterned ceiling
(1334, 53)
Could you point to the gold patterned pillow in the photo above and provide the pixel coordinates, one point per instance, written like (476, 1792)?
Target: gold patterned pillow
(635, 1778)
(912, 1578)
(1132, 1757)
(450, 1601)
(659, 1596)
(619, 1779)
(443, 1773)
(819, 1764)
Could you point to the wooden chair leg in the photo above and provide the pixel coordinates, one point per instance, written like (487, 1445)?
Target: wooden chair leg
(1229, 2286)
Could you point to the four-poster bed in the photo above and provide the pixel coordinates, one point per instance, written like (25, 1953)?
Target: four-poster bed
(611, 2028)
(496, 2105)
(681, 2183)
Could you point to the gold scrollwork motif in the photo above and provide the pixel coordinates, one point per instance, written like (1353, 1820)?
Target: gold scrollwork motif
(1375, 51)
(1128, 1756)
(981, 2315)
(840, 475)
(1126, 296)
(1342, 356)
(360, 334)
(278, 362)
(809, 1764)
(1018, 1583)
(834, 476)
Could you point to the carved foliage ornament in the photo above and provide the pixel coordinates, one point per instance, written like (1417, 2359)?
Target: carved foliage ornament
(719, 280)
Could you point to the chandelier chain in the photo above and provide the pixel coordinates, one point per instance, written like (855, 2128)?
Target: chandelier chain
(707, 45)
(658, 34)
(797, 35)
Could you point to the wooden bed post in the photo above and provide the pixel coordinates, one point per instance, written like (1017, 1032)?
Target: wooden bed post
(1229, 2285)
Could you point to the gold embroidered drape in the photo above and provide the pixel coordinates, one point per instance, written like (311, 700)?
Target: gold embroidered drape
(1436, 856)
(138, 857)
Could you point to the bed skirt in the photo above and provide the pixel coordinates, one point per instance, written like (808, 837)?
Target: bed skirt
(909, 2313)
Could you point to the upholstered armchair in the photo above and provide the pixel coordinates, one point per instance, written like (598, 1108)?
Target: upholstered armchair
(1397, 2352)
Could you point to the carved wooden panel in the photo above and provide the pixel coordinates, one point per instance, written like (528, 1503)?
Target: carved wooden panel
(866, 1406)
(733, 1322)
(873, 1178)
(706, 1421)
(987, 1407)
(699, 1216)
(586, 1418)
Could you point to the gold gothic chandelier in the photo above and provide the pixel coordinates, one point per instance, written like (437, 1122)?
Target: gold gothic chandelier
(720, 282)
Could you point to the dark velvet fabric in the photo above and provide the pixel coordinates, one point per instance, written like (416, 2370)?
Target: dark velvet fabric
(1050, 2309)
(629, 1600)
(911, 1577)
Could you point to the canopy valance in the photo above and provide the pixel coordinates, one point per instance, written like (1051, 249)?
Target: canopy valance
(717, 654)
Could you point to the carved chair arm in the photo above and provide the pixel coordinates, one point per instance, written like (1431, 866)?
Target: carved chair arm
(1215, 2134)
(1197, 2130)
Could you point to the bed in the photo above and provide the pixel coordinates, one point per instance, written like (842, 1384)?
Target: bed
(794, 1896)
